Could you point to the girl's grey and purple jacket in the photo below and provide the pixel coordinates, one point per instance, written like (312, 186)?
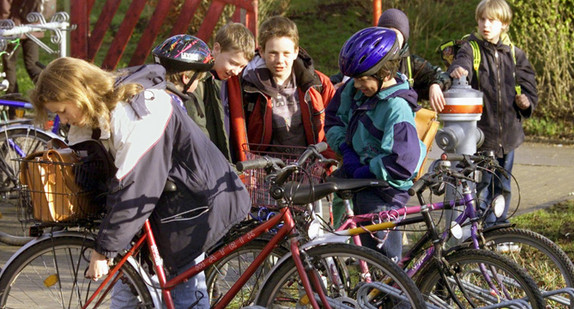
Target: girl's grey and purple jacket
(498, 73)
(381, 129)
(152, 141)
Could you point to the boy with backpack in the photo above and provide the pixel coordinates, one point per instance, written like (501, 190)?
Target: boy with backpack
(508, 83)
(370, 122)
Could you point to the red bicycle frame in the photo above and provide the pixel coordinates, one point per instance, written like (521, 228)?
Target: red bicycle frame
(288, 229)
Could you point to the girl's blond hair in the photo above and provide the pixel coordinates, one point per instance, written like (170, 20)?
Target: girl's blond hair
(494, 9)
(76, 81)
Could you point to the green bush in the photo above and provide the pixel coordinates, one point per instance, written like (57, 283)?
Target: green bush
(541, 28)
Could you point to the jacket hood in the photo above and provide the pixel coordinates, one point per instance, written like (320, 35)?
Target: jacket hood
(402, 90)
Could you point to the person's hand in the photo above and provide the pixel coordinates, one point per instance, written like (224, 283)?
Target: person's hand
(98, 266)
(337, 85)
(522, 101)
(458, 72)
(436, 98)
(351, 160)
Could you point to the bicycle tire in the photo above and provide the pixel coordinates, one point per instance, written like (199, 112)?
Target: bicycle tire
(50, 274)
(283, 288)
(544, 260)
(16, 232)
(223, 274)
(464, 264)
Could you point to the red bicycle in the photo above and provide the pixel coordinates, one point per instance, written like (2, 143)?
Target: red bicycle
(49, 271)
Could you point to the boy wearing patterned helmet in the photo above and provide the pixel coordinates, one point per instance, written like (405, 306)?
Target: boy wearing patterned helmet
(186, 60)
(370, 122)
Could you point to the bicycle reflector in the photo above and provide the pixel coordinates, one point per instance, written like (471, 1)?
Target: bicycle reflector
(498, 204)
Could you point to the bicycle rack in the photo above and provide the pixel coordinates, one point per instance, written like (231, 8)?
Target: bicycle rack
(365, 290)
(553, 295)
(57, 25)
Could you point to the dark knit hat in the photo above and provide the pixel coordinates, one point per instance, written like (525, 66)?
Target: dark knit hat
(395, 18)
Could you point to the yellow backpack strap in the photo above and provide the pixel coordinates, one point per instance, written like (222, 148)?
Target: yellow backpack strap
(516, 85)
(410, 76)
(476, 58)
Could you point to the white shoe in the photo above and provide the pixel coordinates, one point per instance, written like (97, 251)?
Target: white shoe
(507, 247)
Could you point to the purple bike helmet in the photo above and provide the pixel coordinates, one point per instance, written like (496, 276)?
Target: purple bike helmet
(183, 52)
(367, 50)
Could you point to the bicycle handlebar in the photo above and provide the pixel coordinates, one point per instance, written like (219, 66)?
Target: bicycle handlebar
(259, 163)
(283, 171)
(17, 31)
(468, 163)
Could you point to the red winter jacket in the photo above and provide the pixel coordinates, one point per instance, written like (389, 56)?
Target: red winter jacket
(250, 108)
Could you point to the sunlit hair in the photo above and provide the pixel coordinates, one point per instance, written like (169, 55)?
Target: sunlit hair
(236, 37)
(176, 78)
(389, 68)
(494, 9)
(81, 83)
(278, 27)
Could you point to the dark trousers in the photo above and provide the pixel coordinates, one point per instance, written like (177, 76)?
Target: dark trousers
(367, 201)
(31, 56)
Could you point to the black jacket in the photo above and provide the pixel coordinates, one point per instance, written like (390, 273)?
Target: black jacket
(423, 74)
(501, 119)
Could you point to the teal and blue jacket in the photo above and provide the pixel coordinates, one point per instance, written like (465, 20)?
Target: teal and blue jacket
(381, 129)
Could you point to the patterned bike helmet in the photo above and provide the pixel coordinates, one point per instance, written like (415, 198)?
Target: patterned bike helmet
(367, 50)
(183, 52)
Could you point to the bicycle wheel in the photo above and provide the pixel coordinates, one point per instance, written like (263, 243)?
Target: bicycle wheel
(15, 143)
(544, 260)
(477, 278)
(337, 267)
(50, 274)
(223, 274)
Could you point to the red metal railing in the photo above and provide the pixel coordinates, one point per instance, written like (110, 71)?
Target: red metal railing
(87, 39)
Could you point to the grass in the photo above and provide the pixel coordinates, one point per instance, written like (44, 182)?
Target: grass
(556, 223)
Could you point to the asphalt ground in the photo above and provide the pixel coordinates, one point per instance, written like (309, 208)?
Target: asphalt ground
(544, 172)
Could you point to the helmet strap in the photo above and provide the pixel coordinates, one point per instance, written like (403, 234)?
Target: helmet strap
(379, 82)
(190, 82)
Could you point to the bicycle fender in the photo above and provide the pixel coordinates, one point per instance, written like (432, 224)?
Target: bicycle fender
(31, 127)
(43, 238)
(149, 282)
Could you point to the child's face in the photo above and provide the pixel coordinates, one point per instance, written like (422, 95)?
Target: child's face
(368, 85)
(490, 28)
(228, 63)
(68, 112)
(279, 54)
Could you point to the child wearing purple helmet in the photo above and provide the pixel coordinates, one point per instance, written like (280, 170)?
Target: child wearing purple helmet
(370, 122)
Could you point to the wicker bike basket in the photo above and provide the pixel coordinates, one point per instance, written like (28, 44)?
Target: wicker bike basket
(53, 187)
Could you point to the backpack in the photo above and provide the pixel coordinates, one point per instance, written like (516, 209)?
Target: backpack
(449, 49)
(150, 76)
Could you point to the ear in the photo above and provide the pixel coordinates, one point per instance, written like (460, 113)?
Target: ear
(216, 50)
(388, 78)
(184, 78)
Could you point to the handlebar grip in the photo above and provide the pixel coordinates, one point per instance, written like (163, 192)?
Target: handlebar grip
(452, 157)
(258, 163)
(418, 186)
(320, 147)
